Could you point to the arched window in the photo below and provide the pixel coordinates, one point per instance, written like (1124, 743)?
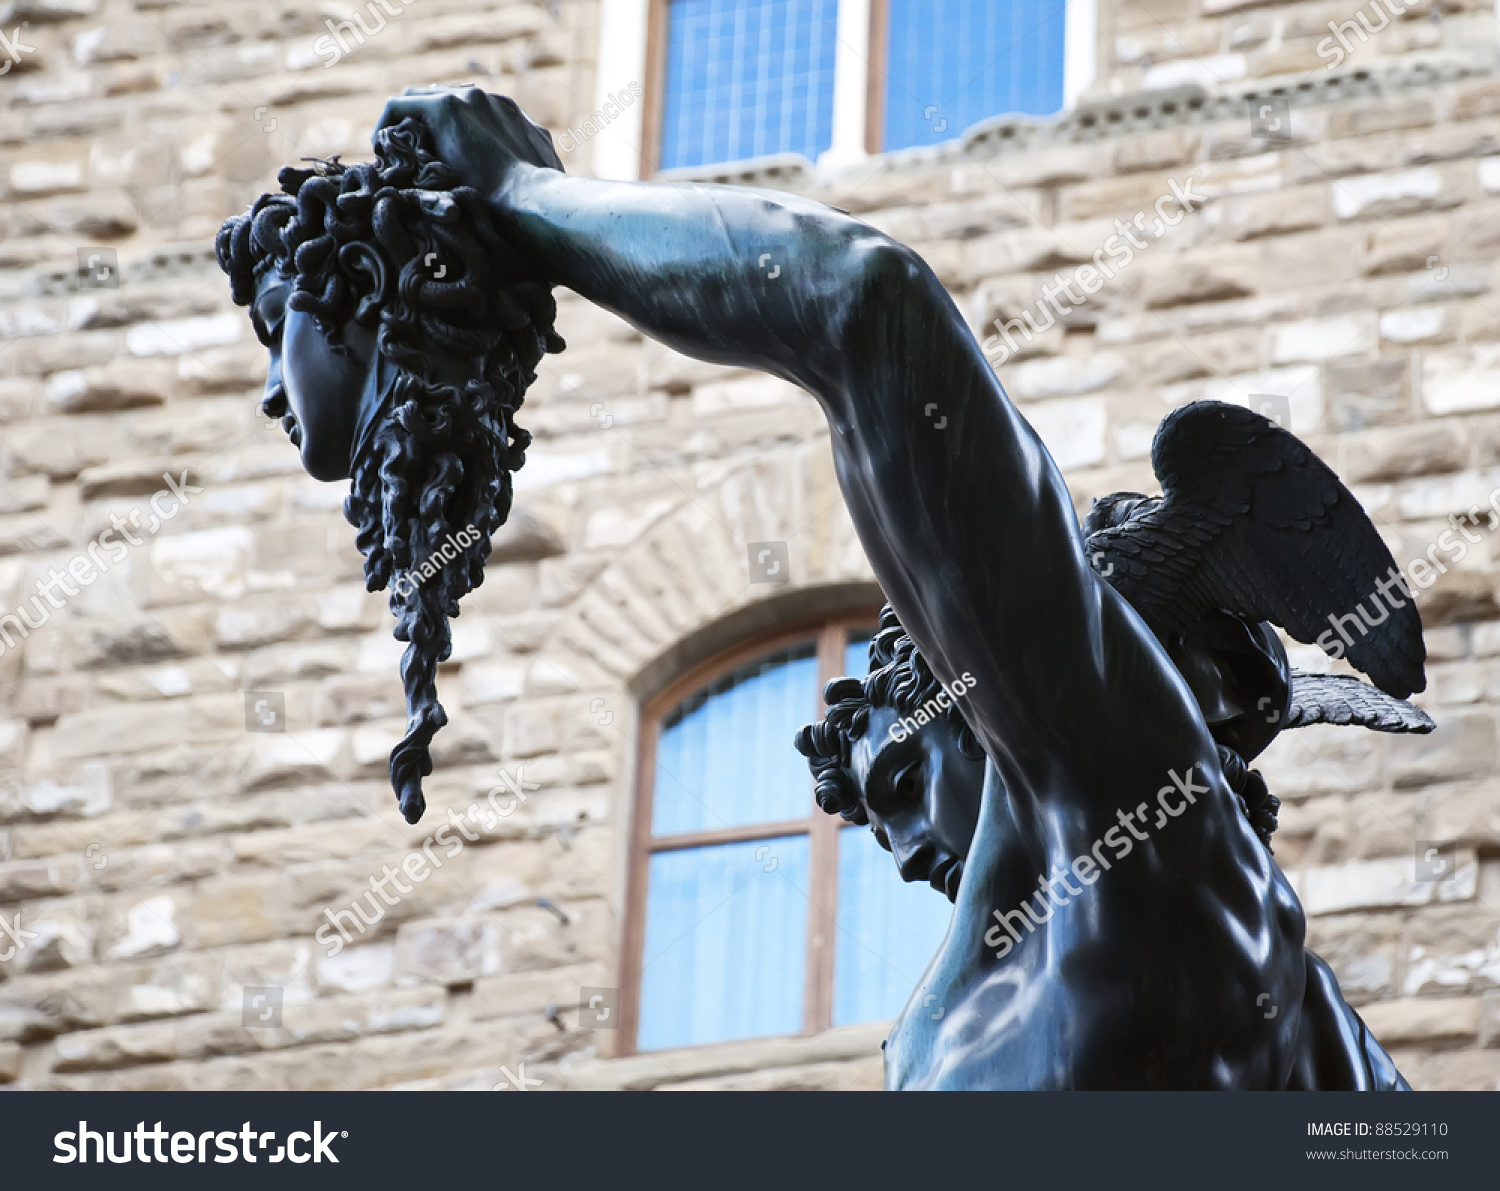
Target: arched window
(750, 912)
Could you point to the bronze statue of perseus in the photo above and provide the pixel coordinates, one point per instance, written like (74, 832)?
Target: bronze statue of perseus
(406, 303)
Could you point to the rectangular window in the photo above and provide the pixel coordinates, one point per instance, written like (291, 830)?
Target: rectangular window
(747, 78)
(951, 63)
(726, 943)
(712, 769)
(729, 80)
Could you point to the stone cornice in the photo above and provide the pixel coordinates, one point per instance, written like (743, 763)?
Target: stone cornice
(1097, 118)
(161, 263)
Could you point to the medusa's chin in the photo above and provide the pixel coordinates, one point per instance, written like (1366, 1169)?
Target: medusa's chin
(321, 464)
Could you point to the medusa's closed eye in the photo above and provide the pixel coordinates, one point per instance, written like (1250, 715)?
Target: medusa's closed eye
(268, 313)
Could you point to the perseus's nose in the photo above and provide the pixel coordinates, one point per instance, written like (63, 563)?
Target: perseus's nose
(913, 858)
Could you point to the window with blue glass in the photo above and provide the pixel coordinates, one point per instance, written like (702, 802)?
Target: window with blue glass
(747, 78)
(754, 914)
(737, 79)
(952, 63)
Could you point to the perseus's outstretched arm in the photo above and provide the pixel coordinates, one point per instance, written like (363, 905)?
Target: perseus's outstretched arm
(964, 516)
(972, 534)
(961, 511)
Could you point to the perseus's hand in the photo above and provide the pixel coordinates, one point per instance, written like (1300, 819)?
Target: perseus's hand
(478, 135)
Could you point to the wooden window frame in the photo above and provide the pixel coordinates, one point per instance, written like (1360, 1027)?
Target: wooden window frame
(655, 85)
(830, 635)
(875, 76)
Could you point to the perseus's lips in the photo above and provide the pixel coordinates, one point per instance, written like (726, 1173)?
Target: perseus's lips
(946, 875)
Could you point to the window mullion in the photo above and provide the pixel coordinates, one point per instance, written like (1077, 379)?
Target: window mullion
(633, 943)
(1080, 48)
(876, 42)
(823, 877)
(851, 85)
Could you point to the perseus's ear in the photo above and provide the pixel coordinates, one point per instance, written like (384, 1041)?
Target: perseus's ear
(366, 269)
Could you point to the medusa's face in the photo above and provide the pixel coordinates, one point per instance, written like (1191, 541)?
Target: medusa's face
(323, 383)
(921, 792)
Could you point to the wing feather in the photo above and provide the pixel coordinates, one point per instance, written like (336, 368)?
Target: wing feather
(1340, 699)
(1254, 524)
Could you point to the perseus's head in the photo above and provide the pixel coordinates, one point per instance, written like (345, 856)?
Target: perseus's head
(894, 751)
(403, 334)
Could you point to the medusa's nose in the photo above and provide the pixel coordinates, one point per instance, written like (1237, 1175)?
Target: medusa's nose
(273, 394)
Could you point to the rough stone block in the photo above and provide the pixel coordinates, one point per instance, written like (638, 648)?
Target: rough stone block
(1066, 376)
(1416, 326)
(1423, 1020)
(1382, 884)
(1363, 393)
(448, 952)
(150, 928)
(535, 992)
(1390, 195)
(1073, 430)
(1254, 217)
(1463, 746)
(291, 758)
(1461, 382)
(119, 731)
(1316, 340)
(116, 1046)
(358, 969)
(1396, 454)
(1403, 247)
(12, 1058)
(24, 880)
(1179, 283)
(355, 698)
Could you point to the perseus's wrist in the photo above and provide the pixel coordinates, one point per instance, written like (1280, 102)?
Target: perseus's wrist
(499, 190)
(515, 194)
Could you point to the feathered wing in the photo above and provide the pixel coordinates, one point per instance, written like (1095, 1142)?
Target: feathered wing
(1254, 524)
(1340, 699)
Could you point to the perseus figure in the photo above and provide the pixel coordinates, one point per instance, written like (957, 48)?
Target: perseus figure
(1159, 973)
(1254, 531)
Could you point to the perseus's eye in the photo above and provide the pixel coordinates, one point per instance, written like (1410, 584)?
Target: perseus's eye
(907, 783)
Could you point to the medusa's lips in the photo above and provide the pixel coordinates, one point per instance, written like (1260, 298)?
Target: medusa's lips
(293, 430)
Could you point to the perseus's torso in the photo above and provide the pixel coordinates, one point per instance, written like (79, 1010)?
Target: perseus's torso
(1145, 982)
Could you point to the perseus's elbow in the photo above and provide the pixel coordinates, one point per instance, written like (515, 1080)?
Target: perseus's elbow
(878, 262)
(882, 274)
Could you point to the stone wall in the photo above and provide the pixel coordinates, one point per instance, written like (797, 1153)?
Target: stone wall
(174, 859)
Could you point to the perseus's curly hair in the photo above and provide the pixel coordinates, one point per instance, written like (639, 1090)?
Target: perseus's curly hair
(899, 679)
(440, 457)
